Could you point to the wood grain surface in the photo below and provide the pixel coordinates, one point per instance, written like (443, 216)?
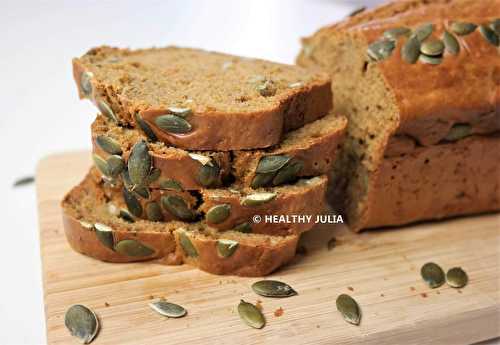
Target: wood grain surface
(380, 269)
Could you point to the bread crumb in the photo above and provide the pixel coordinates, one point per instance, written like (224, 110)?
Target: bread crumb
(106, 304)
(412, 288)
(423, 294)
(350, 288)
(301, 250)
(278, 312)
(151, 297)
(258, 304)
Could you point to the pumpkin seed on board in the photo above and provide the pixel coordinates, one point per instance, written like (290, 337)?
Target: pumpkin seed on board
(115, 165)
(101, 164)
(146, 128)
(273, 288)
(258, 199)
(411, 50)
(106, 110)
(177, 206)
(288, 173)
(82, 323)
(395, 33)
(226, 248)
(451, 43)
(456, 277)
(153, 212)
(182, 112)
(381, 50)
(243, 227)
(267, 88)
(23, 181)
(171, 184)
(173, 124)
(218, 213)
(108, 145)
(432, 274)
(430, 60)
(168, 309)
(432, 47)
(458, 131)
(187, 245)
(349, 309)
(251, 315)
(462, 28)
(86, 84)
(133, 205)
(133, 248)
(423, 31)
(139, 163)
(262, 180)
(104, 234)
(268, 164)
(208, 175)
(489, 35)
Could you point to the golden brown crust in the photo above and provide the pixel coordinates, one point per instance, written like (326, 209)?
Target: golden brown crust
(256, 255)
(213, 129)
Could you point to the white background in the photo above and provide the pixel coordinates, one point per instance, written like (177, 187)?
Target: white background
(41, 113)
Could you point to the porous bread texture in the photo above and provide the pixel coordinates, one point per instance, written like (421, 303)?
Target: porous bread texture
(391, 110)
(255, 254)
(222, 91)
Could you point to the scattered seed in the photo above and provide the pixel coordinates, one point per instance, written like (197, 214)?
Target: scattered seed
(349, 309)
(252, 316)
(273, 288)
(432, 274)
(456, 277)
(82, 323)
(23, 181)
(168, 309)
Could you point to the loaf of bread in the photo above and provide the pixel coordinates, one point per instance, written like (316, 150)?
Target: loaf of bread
(201, 100)
(92, 228)
(305, 152)
(420, 84)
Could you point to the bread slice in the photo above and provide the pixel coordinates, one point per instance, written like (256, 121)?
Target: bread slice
(313, 146)
(201, 100)
(227, 208)
(91, 229)
(394, 104)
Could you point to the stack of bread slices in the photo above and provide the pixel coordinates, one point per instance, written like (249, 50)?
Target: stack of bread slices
(192, 150)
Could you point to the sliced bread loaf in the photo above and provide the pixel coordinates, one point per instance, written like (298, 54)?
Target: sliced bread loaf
(202, 100)
(93, 230)
(305, 152)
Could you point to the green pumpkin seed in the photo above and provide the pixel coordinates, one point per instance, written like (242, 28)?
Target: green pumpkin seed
(108, 144)
(430, 60)
(462, 28)
(411, 50)
(349, 309)
(86, 84)
(23, 181)
(218, 213)
(187, 245)
(432, 47)
(395, 33)
(115, 165)
(495, 26)
(177, 207)
(168, 309)
(139, 163)
(106, 110)
(268, 164)
(204, 160)
(458, 131)
(432, 274)
(288, 173)
(150, 134)
(226, 248)
(456, 277)
(82, 323)
(243, 227)
(357, 11)
(262, 180)
(126, 216)
(153, 212)
(273, 288)
(173, 124)
(101, 164)
(105, 235)
(171, 184)
(133, 205)
(451, 43)
(267, 88)
(141, 191)
(258, 199)
(182, 112)
(251, 315)
(153, 176)
(489, 35)
(423, 31)
(381, 50)
(208, 175)
(133, 248)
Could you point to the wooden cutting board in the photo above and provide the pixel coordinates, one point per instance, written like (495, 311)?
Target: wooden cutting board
(380, 269)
